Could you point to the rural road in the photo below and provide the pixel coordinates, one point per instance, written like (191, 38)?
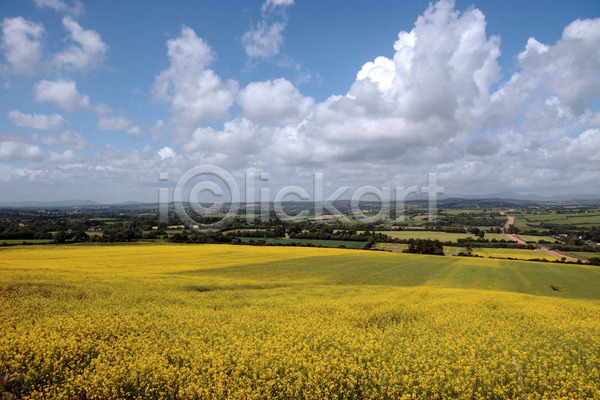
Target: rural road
(515, 238)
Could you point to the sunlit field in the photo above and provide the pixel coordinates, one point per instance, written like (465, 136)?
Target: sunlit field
(239, 322)
(441, 236)
(519, 254)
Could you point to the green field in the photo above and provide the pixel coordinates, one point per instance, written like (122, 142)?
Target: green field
(395, 247)
(28, 241)
(458, 212)
(241, 322)
(577, 219)
(519, 254)
(531, 238)
(583, 255)
(433, 235)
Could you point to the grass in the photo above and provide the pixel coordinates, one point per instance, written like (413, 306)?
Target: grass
(577, 219)
(519, 254)
(395, 247)
(530, 238)
(477, 211)
(441, 236)
(237, 322)
(28, 241)
(583, 255)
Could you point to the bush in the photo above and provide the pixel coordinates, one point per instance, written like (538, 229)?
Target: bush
(594, 261)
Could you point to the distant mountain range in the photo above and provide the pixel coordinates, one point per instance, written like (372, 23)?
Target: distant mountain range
(63, 204)
(532, 197)
(444, 198)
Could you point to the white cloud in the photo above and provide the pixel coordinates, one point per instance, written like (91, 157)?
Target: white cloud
(15, 151)
(113, 124)
(240, 139)
(102, 109)
(587, 30)
(584, 150)
(382, 71)
(135, 132)
(62, 92)
(21, 42)
(61, 6)
(275, 101)
(128, 159)
(565, 73)
(166, 152)
(434, 90)
(66, 157)
(276, 3)
(68, 139)
(196, 94)
(89, 50)
(41, 122)
(533, 47)
(266, 39)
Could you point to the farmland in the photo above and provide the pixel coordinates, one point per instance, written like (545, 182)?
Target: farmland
(219, 321)
(433, 235)
(552, 218)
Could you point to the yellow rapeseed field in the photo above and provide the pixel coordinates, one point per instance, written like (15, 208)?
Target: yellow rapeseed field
(240, 322)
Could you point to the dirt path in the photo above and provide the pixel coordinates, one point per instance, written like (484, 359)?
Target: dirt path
(515, 238)
(556, 254)
(511, 237)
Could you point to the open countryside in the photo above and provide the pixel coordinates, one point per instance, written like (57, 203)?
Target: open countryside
(299, 200)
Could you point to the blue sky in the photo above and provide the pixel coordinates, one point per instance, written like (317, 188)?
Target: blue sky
(97, 98)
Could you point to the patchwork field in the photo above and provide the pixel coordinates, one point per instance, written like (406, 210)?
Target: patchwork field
(519, 254)
(441, 236)
(239, 322)
(577, 219)
(530, 238)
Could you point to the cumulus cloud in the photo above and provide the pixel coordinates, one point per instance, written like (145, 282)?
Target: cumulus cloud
(433, 90)
(43, 122)
(555, 83)
(166, 152)
(61, 6)
(382, 71)
(265, 40)
(21, 42)
(65, 157)
(87, 51)
(584, 149)
(275, 101)
(239, 136)
(16, 151)
(195, 93)
(113, 124)
(68, 139)
(62, 92)
(135, 132)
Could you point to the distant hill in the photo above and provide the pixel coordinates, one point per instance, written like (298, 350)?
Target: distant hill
(50, 204)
